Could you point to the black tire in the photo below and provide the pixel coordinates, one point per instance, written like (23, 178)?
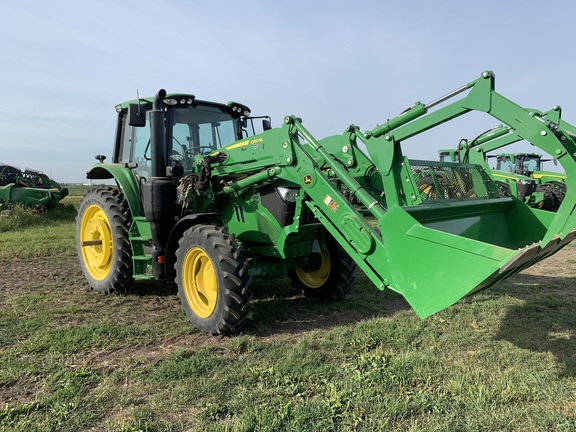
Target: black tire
(559, 194)
(213, 281)
(552, 199)
(102, 240)
(550, 202)
(330, 276)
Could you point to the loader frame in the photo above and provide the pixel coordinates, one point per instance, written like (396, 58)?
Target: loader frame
(317, 166)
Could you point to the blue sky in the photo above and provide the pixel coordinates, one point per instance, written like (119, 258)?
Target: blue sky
(65, 64)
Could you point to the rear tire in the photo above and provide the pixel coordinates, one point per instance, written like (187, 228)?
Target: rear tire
(212, 279)
(330, 276)
(552, 199)
(559, 194)
(102, 240)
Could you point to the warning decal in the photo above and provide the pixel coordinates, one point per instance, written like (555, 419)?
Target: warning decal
(331, 203)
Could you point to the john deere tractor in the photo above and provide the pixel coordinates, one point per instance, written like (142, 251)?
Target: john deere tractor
(552, 184)
(201, 199)
(509, 184)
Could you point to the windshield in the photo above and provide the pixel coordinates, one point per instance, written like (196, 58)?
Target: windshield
(528, 163)
(505, 164)
(449, 156)
(201, 130)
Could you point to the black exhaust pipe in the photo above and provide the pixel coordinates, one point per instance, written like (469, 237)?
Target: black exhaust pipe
(158, 136)
(159, 192)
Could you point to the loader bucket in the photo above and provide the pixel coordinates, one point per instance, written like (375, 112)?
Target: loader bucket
(443, 250)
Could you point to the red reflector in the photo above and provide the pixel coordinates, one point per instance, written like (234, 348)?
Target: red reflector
(161, 259)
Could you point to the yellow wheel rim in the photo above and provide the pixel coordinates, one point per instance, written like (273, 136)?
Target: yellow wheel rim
(96, 242)
(199, 282)
(316, 278)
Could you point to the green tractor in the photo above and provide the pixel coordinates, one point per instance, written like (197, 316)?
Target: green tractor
(30, 188)
(551, 184)
(522, 187)
(201, 199)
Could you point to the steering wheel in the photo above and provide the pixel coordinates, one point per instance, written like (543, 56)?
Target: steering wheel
(199, 150)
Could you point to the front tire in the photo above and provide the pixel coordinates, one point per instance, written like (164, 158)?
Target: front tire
(102, 240)
(212, 279)
(330, 274)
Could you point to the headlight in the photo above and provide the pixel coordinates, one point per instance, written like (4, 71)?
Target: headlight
(288, 194)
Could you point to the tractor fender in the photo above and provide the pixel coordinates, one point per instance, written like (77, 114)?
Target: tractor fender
(559, 184)
(125, 180)
(182, 225)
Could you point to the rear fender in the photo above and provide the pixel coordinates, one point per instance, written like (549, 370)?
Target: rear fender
(125, 180)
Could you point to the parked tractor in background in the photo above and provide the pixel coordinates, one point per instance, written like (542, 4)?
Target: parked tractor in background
(552, 184)
(30, 188)
(509, 184)
(203, 200)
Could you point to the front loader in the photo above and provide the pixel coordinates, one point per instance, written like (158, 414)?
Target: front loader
(201, 199)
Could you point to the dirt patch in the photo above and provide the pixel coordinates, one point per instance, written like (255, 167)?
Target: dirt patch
(18, 393)
(23, 274)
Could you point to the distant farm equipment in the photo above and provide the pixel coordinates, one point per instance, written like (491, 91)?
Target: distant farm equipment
(551, 183)
(31, 188)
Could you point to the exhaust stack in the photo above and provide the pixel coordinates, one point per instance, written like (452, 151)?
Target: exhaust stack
(159, 192)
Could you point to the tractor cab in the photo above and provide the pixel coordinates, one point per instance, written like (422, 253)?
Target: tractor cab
(449, 155)
(192, 128)
(519, 163)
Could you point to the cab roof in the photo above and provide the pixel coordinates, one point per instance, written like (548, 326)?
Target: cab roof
(184, 99)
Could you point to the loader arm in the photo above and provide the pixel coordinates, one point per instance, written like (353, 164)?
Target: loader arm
(424, 225)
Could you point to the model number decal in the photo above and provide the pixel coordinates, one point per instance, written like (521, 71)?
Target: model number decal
(256, 140)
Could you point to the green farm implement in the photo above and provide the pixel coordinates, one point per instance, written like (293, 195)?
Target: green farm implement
(29, 187)
(203, 200)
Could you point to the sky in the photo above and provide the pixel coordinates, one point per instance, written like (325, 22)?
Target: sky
(66, 64)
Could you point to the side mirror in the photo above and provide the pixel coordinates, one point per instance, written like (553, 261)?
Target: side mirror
(136, 115)
(266, 125)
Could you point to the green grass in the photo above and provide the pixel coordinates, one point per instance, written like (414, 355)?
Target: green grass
(72, 360)
(28, 233)
(75, 194)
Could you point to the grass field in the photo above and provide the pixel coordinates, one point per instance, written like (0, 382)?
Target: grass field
(73, 360)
